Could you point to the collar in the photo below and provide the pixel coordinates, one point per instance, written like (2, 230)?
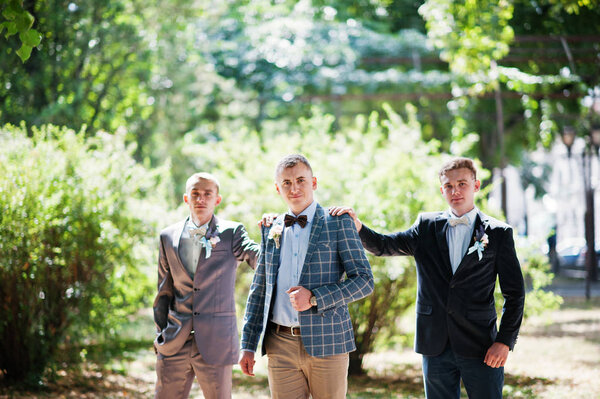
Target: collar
(471, 215)
(189, 224)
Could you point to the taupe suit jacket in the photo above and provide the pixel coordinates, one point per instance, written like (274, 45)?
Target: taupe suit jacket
(206, 303)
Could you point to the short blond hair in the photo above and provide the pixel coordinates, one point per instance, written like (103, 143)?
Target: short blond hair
(458, 163)
(289, 161)
(201, 176)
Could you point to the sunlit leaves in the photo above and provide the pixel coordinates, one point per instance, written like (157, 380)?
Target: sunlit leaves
(17, 19)
(469, 34)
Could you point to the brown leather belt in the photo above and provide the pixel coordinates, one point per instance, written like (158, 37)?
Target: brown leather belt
(295, 331)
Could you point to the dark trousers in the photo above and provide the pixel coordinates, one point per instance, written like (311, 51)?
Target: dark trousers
(442, 375)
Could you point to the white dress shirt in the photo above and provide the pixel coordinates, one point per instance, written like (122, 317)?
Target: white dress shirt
(190, 248)
(459, 237)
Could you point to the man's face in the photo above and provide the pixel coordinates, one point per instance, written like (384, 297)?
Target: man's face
(459, 188)
(296, 186)
(202, 198)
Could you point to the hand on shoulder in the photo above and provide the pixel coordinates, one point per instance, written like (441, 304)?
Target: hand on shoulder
(267, 219)
(341, 210)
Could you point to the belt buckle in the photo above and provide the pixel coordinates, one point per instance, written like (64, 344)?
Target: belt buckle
(292, 331)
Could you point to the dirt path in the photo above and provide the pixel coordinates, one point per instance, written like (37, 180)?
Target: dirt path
(557, 357)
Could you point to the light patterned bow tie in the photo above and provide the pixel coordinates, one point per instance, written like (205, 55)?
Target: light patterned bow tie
(198, 232)
(456, 221)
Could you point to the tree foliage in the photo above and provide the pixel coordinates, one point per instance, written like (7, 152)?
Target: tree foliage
(74, 246)
(18, 20)
(231, 86)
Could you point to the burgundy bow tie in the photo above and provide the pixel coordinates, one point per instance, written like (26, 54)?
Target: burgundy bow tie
(290, 220)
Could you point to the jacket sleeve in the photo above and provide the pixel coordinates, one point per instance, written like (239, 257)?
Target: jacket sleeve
(165, 289)
(400, 243)
(359, 277)
(513, 290)
(244, 249)
(254, 315)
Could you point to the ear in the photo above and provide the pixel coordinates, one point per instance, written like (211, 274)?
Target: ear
(277, 188)
(219, 199)
(441, 190)
(314, 183)
(477, 185)
(185, 198)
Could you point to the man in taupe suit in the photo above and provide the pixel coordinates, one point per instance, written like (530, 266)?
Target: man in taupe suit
(194, 309)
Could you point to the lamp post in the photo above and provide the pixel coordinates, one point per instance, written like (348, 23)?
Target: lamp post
(591, 149)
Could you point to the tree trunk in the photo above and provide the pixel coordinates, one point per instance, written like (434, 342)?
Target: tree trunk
(355, 367)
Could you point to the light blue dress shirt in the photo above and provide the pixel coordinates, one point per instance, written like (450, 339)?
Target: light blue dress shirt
(459, 237)
(291, 260)
(190, 248)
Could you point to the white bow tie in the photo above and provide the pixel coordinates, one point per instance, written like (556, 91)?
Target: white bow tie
(456, 221)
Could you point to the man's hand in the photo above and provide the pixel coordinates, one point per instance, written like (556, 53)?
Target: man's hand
(247, 363)
(496, 355)
(267, 219)
(340, 210)
(300, 298)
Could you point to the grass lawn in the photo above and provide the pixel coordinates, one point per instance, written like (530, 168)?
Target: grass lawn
(557, 356)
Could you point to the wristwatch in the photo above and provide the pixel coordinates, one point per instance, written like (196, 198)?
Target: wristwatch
(313, 300)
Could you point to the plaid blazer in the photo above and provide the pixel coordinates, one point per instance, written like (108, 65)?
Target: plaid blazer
(334, 250)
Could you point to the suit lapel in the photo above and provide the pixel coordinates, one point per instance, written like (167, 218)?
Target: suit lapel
(468, 258)
(441, 226)
(272, 256)
(177, 232)
(213, 227)
(317, 225)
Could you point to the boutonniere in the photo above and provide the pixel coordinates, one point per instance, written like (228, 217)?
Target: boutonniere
(480, 242)
(275, 234)
(210, 240)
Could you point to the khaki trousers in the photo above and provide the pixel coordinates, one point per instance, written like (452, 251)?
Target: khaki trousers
(175, 375)
(294, 374)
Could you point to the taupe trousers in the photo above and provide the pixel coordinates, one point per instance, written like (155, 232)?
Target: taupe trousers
(294, 374)
(175, 375)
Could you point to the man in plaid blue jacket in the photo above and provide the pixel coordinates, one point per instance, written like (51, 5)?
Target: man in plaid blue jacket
(311, 266)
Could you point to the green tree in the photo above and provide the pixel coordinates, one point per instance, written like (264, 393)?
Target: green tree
(75, 242)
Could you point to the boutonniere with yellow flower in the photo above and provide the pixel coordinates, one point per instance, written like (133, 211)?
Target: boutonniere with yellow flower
(480, 242)
(275, 234)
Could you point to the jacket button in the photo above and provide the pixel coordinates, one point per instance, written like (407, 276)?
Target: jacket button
(196, 313)
(450, 311)
(452, 285)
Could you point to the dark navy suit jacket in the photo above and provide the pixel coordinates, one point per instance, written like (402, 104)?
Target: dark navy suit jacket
(458, 308)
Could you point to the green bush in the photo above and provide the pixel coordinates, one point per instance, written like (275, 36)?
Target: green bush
(75, 241)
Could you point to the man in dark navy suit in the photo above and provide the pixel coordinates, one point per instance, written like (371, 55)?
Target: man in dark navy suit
(459, 253)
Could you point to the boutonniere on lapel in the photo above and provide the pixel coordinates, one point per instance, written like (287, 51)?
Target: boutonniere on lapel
(480, 242)
(207, 238)
(275, 234)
